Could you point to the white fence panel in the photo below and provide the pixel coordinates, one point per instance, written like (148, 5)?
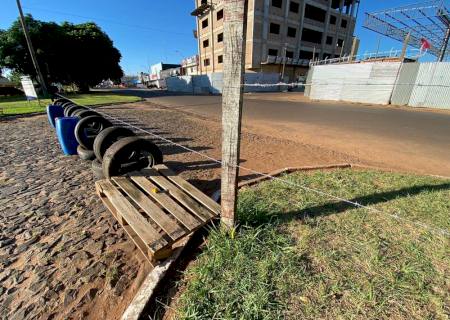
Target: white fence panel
(432, 87)
(355, 83)
(405, 84)
(383, 78)
(213, 83)
(327, 82)
(363, 82)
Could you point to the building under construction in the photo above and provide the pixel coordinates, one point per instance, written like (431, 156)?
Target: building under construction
(281, 34)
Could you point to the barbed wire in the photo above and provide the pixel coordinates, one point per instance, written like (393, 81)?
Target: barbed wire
(395, 216)
(301, 84)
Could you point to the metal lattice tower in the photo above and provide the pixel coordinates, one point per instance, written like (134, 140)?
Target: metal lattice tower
(428, 20)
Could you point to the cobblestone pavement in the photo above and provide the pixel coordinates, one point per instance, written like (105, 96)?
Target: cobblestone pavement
(61, 255)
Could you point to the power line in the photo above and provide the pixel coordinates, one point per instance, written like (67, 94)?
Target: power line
(134, 26)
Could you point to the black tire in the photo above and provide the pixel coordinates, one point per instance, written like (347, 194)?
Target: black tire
(60, 101)
(78, 111)
(68, 108)
(83, 113)
(68, 104)
(97, 169)
(107, 138)
(88, 128)
(73, 109)
(130, 154)
(85, 154)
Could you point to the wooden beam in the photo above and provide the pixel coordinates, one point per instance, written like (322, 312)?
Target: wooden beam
(234, 32)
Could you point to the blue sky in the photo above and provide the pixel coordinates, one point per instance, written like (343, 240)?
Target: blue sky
(149, 31)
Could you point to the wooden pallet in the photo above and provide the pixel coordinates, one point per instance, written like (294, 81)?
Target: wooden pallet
(156, 208)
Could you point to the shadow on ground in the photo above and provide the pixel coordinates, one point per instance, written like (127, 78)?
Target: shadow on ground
(341, 206)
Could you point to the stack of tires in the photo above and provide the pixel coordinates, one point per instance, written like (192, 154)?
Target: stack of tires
(115, 151)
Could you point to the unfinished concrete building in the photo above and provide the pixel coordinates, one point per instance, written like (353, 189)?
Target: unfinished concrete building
(279, 32)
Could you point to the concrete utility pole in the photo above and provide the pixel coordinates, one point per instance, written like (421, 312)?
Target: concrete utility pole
(284, 61)
(342, 49)
(355, 47)
(31, 49)
(405, 45)
(234, 33)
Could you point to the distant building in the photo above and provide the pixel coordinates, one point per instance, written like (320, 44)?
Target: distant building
(160, 71)
(129, 81)
(189, 66)
(144, 78)
(278, 32)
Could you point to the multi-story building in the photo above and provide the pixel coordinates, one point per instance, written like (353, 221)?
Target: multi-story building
(280, 33)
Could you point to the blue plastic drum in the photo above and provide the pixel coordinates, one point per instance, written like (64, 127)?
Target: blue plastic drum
(54, 112)
(65, 130)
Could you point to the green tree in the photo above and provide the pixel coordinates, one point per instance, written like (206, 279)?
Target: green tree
(14, 77)
(80, 54)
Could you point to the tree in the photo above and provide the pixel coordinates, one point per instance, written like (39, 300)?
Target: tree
(80, 54)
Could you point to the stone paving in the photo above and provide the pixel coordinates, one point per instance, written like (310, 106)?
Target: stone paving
(60, 251)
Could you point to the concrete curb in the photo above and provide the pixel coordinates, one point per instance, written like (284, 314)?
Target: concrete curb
(279, 172)
(216, 195)
(136, 308)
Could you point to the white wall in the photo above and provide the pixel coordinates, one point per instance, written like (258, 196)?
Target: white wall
(362, 82)
(432, 86)
(213, 83)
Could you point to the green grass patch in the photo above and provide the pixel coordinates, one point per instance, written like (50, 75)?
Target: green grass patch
(297, 255)
(19, 105)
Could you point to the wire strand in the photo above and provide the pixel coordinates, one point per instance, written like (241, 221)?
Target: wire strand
(306, 188)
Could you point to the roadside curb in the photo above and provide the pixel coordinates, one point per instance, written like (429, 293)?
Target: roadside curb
(146, 291)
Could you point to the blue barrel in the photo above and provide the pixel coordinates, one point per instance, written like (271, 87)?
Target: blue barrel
(54, 112)
(65, 130)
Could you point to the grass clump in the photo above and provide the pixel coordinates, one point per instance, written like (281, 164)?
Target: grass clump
(19, 105)
(297, 255)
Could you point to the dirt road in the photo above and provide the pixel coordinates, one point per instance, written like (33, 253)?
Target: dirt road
(397, 138)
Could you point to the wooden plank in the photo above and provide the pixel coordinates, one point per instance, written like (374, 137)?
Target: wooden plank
(134, 237)
(137, 222)
(168, 203)
(201, 212)
(139, 244)
(189, 189)
(151, 209)
(108, 204)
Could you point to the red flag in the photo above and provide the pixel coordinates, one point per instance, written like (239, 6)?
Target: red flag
(425, 44)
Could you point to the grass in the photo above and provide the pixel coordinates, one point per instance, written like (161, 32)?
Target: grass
(297, 255)
(18, 105)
